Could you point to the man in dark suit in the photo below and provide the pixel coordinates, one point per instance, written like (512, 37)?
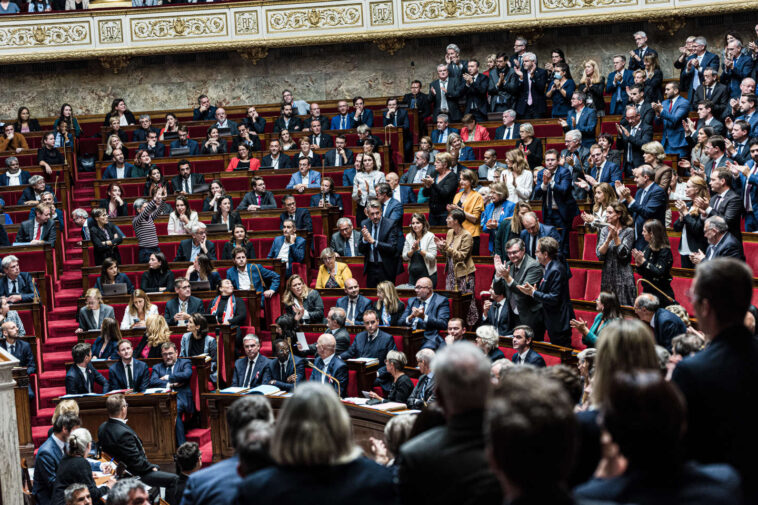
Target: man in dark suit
(186, 182)
(418, 170)
(317, 137)
(452, 455)
(637, 56)
(251, 370)
(120, 441)
(495, 311)
(335, 326)
(521, 268)
(509, 130)
(638, 100)
(353, 303)
(285, 371)
(379, 246)
(205, 111)
(246, 137)
(722, 244)
(697, 62)
(553, 293)
(40, 230)
(49, 457)
(424, 392)
(394, 116)
(175, 375)
(725, 202)
(617, 82)
(140, 134)
(631, 139)
(581, 118)
(739, 150)
(372, 343)
(531, 102)
(288, 241)
(748, 187)
(444, 91)
(575, 158)
(522, 344)
(81, 378)
(154, 148)
(441, 132)
(218, 483)
(345, 241)
(391, 208)
(339, 156)
(503, 85)
(189, 248)
(706, 118)
(128, 372)
(403, 195)
(533, 231)
(747, 111)
(327, 197)
(601, 170)
(328, 368)
(666, 325)
(287, 120)
(19, 349)
(362, 115)
(417, 100)
(16, 286)
(475, 86)
(716, 149)
(179, 310)
(427, 311)
(185, 141)
(301, 217)
(314, 114)
(737, 66)
(222, 122)
(714, 91)
(649, 202)
(718, 382)
(258, 198)
(276, 159)
(554, 186)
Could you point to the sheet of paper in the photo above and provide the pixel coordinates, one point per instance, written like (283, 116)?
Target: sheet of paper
(301, 339)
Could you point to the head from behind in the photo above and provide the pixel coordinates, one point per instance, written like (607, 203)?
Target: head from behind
(463, 378)
(721, 294)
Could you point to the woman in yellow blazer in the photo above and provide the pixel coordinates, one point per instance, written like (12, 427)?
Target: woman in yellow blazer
(472, 205)
(332, 274)
(459, 268)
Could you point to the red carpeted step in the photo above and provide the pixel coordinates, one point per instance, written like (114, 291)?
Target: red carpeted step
(52, 378)
(200, 435)
(44, 416)
(46, 395)
(56, 360)
(60, 343)
(39, 434)
(207, 454)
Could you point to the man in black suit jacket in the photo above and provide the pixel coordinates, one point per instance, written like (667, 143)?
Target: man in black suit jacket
(186, 182)
(452, 455)
(495, 311)
(379, 247)
(41, 229)
(519, 269)
(418, 101)
(205, 111)
(424, 392)
(199, 242)
(287, 121)
(339, 156)
(503, 85)
(285, 371)
(81, 378)
(522, 344)
(315, 115)
(317, 137)
(119, 373)
(649, 202)
(120, 441)
(19, 349)
(328, 368)
(244, 136)
(722, 243)
(180, 309)
(714, 91)
(301, 217)
(645, 110)
(718, 382)
(475, 86)
(725, 202)
(631, 139)
(327, 197)
(252, 369)
(341, 239)
(666, 325)
(553, 292)
(276, 159)
(258, 198)
(531, 101)
(335, 326)
(373, 343)
(16, 286)
(154, 148)
(445, 92)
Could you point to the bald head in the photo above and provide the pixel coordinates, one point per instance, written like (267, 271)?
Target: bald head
(325, 345)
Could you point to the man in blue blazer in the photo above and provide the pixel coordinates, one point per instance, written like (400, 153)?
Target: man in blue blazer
(637, 60)
(251, 370)
(189, 248)
(531, 101)
(175, 374)
(440, 133)
(49, 456)
(82, 377)
(427, 311)
(304, 177)
(379, 246)
(747, 107)
(671, 113)
(602, 170)
(362, 115)
(722, 244)
(581, 118)
(522, 344)
(301, 217)
(178, 310)
(533, 231)
(555, 185)
(14, 168)
(617, 82)
(353, 303)
(330, 363)
(153, 147)
(339, 156)
(649, 202)
(666, 325)
(295, 246)
(327, 197)
(287, 370)
(748, 187)
(128, 372)
(249, 276)
(697, 62)
(553, 292)
(401, 194)
(372, 343)
(343, 120)
(736, 67)
(16, 286)
(112, 170)
(185, 141)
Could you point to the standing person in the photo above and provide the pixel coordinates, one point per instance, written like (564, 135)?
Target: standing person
(458, 248)
(689, 222)
(655, 262)
(518, 176)
(144, 224)
(499, 209)
(379, 246)
(592, 84)
(420, 251)
(614, 248)
(470, 202)
(364, 184)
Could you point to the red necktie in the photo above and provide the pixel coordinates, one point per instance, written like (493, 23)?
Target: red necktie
(671, 105)
(39, 232)
(259, 200)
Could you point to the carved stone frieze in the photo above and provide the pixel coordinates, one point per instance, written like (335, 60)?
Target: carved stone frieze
(419, 11)
(391, 45)
(253, 54)
(57, 34)
(315, 17)
(548, 5)
(246, 23)
(110, 31)
(115, 63)
(179, 26)
(382, 13)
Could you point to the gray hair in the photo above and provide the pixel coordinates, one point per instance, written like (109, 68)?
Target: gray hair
(512, 242)
(344, 220)
(338, 315)
(718, 223)
(488, 335)
(9, 160)
(443, 117)
(647, 170)
(454, 48)
(511, 113)
(119, 493)
(648, 302)
(138, 203)
(527, 128)
(574, 135)
(463, 377)
(426, 356)
(701, 41)
(71, 491)
(441, 65)
(251, 336)
(640, 34)
(588, 353)
(363, 129)
(79, 213)
(144, 116)
(78, 441)
(529, 56)
(425, 154)
(522, 39)
(328, 252)
(35, 179)
(197, 227)
(6, 263)
(397, 431)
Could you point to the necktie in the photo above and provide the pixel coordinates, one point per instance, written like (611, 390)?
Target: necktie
(14, 291)
(671, 105)
(283, 372)
(507, 133)
(529, 86)
(533, 244)
(498, 306)
(259, 199)
(12, 349)
(708, 93)
(38, 235)
(718, 202)
(349, 248)
(170, 370)
(373, 246)
(342, 122)
(351, 311)
(129, 377)
(248, 374)
(88, 380)
(423, 386)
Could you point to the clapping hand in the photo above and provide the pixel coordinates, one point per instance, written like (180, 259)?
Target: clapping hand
(639, 256)
(697, 257)
(367, 235)
(527, 289)
(579, 324)
(623, 131)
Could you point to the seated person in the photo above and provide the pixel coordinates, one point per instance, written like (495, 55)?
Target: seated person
(179, 309)
(202, 269)
(114, 203)
(304, 177)
(32, 193)
(205, 111)
(301, 217)
(185, 141)
(6, 314)
(304, 305)
(345, 241)
(106, 344)
(328, 367)
(428, 311)
(92, 314)
(16, 286)
(353, 303)
(223, 122)
(197, 342)
(186, 182)
(307, 152)
(251, 370)
(82, 377)
(487, 340)
(138, 310)
(288, 247)
(327, 197)
(109, 274)
(145, 128)
(14, 176)
(225, 213)
(156, 334)
(340, 156)
(258, 198)
(189, 248)
(213, 143)
(287, 121)
(388, 304)
(229, 309)
(286, 370)
(402, 386)
(154, 148)
(243, 160)
(128, 372)
(19, 349)
(158, 277)
(48, 155)
(332, 273)
(119, 169)
(522, 344)
(372, 343)
(40, 230)
(246, 137)
(175, 374)
(238, 239)
(250, 276)
(276, 159)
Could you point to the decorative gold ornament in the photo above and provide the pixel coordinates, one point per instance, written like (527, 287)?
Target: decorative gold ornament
(382, 13)
(110, 31)
(246, 23)
(253, 54)
(391, 45)
(582, 4)
(415, 11)
(179, 26)
(516, 7)
(44, 35)
(316, 17)
(115, 63)
(671, 25)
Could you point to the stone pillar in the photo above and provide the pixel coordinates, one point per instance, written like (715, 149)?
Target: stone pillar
(11, 489)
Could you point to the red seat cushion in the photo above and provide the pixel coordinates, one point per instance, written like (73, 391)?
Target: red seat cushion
(578, 283)
(590, 246)
(593, 284)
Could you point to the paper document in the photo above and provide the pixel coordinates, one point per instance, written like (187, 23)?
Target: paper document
(301, 339)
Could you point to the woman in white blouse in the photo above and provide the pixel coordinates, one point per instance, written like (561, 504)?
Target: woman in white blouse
(364, 184)
(605, 195)
(420, 251)
(517, 177)
(138, 310)
(183, 218)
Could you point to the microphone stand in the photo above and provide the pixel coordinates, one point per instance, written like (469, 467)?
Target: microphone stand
(331, 378)
(294, 367)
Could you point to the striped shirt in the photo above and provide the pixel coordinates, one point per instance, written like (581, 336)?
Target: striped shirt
(144, 226)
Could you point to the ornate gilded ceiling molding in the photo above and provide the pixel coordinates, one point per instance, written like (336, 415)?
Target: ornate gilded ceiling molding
(391, 45)
(115, 63)
(424, 11)
(519, 7)
(246, 22)
(287, 20)
(671, 25)
(145, 29)
(77, 33)
(549, 5)
(253, 54)
(382, 13)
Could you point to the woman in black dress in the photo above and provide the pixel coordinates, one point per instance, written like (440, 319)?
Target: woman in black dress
(531, 146)
(388, 306)
(402, 386)
(75, 469)
(158, 277)
(238, 239)
(440, 189)
(225, 214)
(303, 304)
(655, 262)
(114, 205)
(105, 237)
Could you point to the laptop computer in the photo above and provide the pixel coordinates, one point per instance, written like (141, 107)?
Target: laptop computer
(224, 132)
(216, 228)
(180, 151)
(200, 286)
(118, 288)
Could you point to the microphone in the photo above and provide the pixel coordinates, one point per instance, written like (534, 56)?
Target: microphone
(294, 367)
(331, 378)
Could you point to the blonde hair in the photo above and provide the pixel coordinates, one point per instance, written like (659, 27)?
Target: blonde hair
(452, 137)
(656, 149)
(609, 192)
(157, 331)
(596, 76)
(516, 225)
(138, 293)
(109, 146)
(516, 156)
(703, 191)
(94, 293)
(500, 188)
(65, 407)
(445, 158)
(391, 300)
(289, 298)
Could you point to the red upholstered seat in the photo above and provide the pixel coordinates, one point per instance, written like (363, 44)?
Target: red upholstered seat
(593, 284)
(578, 283)
(590, 246)
(483, 278)
(674, 242)
(751, 255)
(680, 285)
(576, 337)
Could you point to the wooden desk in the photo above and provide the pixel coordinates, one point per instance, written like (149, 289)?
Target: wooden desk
(23, 413)
(367, 422)
(153, 417)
